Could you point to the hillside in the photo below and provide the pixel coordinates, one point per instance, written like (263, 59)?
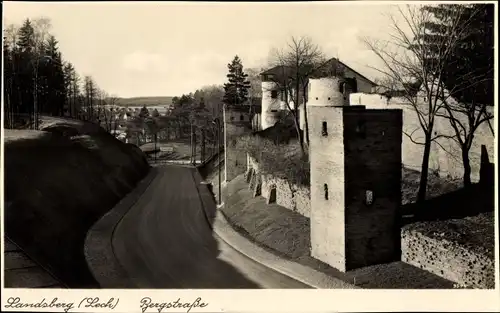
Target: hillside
(58, 182)
(144, 101)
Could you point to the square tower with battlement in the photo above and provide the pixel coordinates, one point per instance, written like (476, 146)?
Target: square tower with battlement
(355, 159)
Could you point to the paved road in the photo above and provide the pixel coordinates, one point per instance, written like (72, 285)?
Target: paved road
(165, 241)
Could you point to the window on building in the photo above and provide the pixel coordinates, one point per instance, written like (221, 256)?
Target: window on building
(325, 186)
(232, 118)
(324, 129)
(368, 197)
(342, 87)
(242, 117)
(274, 94)
(274, 111)
(354, 85)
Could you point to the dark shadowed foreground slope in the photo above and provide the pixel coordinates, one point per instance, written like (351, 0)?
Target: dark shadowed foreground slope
(58, 182)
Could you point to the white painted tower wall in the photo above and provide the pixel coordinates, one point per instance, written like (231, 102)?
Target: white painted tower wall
(269, 104)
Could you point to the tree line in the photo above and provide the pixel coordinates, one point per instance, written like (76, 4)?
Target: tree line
(38, 81)
(198, 115)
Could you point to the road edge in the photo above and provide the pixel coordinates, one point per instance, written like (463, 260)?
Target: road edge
(98, 247)
(299, 272)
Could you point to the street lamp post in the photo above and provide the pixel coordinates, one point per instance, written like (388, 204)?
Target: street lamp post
(216, 122)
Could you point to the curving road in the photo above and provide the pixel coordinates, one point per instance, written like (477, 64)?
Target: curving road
(165, 241)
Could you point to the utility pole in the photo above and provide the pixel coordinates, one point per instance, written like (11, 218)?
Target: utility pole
(216, 122)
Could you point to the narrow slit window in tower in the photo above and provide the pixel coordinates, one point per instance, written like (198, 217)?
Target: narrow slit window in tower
(324, 129)
(369, 197)
(326, 191)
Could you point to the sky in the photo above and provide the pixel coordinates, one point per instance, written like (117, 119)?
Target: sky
(136, 49)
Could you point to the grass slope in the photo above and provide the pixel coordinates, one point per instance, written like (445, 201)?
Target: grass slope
(58, 182)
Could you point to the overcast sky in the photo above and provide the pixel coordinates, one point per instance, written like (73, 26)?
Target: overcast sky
(169, 48)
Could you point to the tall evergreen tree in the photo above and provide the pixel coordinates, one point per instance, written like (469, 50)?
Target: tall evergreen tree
(26, 69)
(55, 94)
(236, 89)
(7, 82)
(72, 88)
(470, 66)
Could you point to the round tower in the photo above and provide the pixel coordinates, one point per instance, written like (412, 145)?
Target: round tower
(271, 104)
(329, 91)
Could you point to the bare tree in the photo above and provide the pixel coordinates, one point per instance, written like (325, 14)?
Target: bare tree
(10, 41)
(114, 118)
(90, 90)
(467, 113)
(418, 69)
(465, 119)
(296, 63)
(255, 89)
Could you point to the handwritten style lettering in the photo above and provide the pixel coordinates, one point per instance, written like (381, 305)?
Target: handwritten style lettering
(147, 303)
(95, 303)
(15, 303)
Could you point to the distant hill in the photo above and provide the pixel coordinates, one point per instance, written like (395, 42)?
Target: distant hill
(144, 101)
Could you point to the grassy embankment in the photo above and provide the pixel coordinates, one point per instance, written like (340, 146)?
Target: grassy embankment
(287, 233)
(58, 182)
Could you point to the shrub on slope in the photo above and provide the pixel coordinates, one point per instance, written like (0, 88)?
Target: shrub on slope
(58, 182)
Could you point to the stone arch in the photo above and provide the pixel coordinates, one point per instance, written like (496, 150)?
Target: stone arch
(272, 194)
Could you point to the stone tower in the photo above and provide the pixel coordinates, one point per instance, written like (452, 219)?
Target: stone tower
(271, 104)
(355, 159)
(237, 122)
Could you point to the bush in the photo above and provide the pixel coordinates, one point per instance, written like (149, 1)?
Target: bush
(284, 161)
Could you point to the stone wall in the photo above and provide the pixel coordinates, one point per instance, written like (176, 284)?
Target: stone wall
(290, 196)
(446, 162)
(430, 246)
